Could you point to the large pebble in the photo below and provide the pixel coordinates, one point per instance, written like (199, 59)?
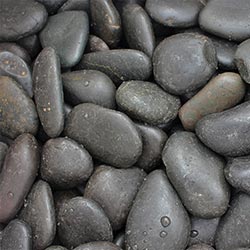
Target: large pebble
(101, 245)
(153, 140)
(48, 92)
(16, 235)
(184, 62)
(20, 18)
(114, 189)
(108, 135)
(3, 151)
(82, 220)
(138, 29)
(75, 5)
(89, 86)
(176, 13)
(18, 174)
(68, 47)
(197, 175)
(232, 19)
(222, 92)
(226, 132)
(39, 213)
(157, 219)
(147, 102)
(237, 173)
(13, 66)
(234, 227)
(200, 247)
(65, 164)
(120, 64)
(106, 21)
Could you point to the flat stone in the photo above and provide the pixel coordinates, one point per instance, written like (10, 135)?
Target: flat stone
(102, 245)
(153, 140)
(184, 62)
(69, 48)
(15, 67)
(110, 136)
(21, 18)
(17, 235)
(48, 92)
(234, 227)
(200, 247)
(3, 151)
(138, 29)
(226, 132)
(114, 189)
(65, 163)
(232, 19)
(75, 5)
(82, 220)
(147, 102)
(205, 192)
(106, 21)
(157, 219)
(120, 64)
(178, 13)
(95, 44)
(89, 86)
(222, 92)
(237, 173)
(39, 213)
(18, 174)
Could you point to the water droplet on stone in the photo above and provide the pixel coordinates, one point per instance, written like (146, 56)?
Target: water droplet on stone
(128, 232)
(10, 195)
(194, 233)
(163, 234)
(86, 84)
(145, 233)
(165, 221)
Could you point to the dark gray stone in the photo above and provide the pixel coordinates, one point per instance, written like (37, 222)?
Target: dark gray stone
(108, 135)
(75, 5)
(184, 62)
(55, 248)
(52, 5)
(68, 47)
(157, 219)
(48, 92)
(95, 44)
(39, 213)
(119, 240)
(227, 132)
(82, 220)
(147, 102)
(89, 86)
(18, 174)
(120, 4)
(102, 245)
(120, 64)
(3, 151)
(200, 247)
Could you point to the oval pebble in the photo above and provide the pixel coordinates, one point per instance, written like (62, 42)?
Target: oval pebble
(3, 151)
(114, 189)
(222, 92)
(101, 245)
(18, 174)
(95, 44)
(178, 13)
(39, 213)
(226, 132)
(138, 29)
(64, 163)
(82, 220)
(20, 18)
(13, 66)
(120, 64)
(184, 62)
(75, 5)
(106, 21)
(234, 227)
(204, 192)
(68, 47)
(147, 102)
(48, 92)
(155, 201)
(200, 247)
(108, 135)
(232, 19)
(17, 235)
(89, 86)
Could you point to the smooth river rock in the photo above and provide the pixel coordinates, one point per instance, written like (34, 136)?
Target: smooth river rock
(114, 189)
(227, 132)
(52, 5)
(222, 92)
(75, 5)
(18, 174)
(157, 219)
(120, 64)
(67, 33)
(110, 136)
(184, 62)
(56, 248)
(95, 44)
(98, 245)
(200, 247)
(81, 220)
(48, 92)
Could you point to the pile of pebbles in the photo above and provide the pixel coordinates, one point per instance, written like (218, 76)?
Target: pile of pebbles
(124, 124)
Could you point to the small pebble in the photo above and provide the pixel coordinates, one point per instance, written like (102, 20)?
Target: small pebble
(95, 44)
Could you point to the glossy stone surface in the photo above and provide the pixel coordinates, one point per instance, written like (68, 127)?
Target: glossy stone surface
(200, 247)
(95, 44)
